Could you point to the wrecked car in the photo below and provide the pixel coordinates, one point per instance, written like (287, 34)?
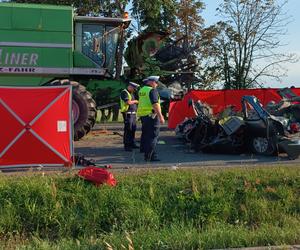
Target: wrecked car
(186, 129)
(254, 130)
(289, 106)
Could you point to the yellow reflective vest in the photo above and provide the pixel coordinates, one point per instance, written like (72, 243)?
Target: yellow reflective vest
(123, 105)
(145, 105)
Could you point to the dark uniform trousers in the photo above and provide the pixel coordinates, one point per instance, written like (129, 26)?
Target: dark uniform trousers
(129, 129)
(149, 138)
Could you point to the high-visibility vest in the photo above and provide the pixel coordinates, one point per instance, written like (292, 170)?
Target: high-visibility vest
(145, 105)
(123, 105)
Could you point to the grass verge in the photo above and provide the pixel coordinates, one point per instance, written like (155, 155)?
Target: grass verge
(188, 209)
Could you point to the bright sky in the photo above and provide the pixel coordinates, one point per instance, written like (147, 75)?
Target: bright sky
(292, 38)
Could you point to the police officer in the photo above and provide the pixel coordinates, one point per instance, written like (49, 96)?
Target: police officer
(149, 111)
(128, 105)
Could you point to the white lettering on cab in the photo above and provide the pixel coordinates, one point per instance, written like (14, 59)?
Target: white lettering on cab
(24, 60)
(34, 57)
(16, 59)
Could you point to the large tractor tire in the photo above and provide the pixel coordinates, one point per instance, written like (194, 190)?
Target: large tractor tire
(83, 108)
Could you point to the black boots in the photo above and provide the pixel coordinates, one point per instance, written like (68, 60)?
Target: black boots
(151, 157)
(131, 147)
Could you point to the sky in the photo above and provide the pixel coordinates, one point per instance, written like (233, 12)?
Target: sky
(292, 39)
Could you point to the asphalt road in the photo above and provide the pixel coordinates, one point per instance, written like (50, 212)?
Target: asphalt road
(104, 146)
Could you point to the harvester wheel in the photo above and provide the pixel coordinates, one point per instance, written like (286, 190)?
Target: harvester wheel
(83, 108)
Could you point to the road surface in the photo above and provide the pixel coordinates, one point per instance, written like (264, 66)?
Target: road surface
(104, 146)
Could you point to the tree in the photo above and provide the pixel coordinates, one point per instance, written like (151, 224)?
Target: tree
(154, 15)
(183, 22)
(247, 41)
(189, 21)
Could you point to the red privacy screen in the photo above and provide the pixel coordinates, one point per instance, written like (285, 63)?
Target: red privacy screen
(218, 100)
(35, 126)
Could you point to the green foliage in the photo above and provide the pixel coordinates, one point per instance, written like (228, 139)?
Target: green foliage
(154, 15)
(152, 67)
(155, 210)
(106, 91)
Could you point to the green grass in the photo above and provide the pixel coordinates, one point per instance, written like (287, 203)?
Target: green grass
(191, 209)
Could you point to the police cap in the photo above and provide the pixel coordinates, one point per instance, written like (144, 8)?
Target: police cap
(151, 79)
(133, 84)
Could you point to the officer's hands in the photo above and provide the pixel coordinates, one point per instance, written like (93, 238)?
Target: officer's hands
(132, 102)
(161, 120)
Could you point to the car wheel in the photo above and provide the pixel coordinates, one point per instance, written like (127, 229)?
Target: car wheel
(263, 146)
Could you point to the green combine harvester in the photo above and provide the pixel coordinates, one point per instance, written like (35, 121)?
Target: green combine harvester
(44, 45)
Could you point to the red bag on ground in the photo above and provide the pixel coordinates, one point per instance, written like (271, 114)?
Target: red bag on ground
(97, 176)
